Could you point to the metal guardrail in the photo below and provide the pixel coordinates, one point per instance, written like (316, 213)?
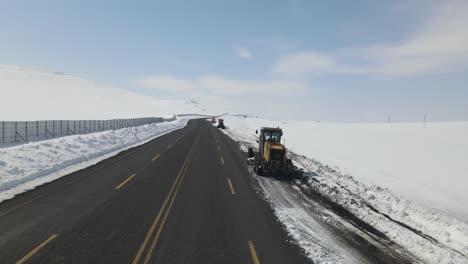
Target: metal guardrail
(17, 132)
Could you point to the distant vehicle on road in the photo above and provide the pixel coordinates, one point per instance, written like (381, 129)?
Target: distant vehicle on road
(221, 124)
(213, 120)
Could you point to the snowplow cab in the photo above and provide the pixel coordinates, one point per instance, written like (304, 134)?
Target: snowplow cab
(270, 139)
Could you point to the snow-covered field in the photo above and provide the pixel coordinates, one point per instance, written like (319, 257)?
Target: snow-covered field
(403, 179)
(31, 94)
(426, 165)
(27, 166)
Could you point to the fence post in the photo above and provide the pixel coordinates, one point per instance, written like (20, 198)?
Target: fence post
(53, 128)
(3, 132)
(16, 130)
(37, 129)
(26, 129)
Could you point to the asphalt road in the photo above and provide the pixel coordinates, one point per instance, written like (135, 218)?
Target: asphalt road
(186, 197)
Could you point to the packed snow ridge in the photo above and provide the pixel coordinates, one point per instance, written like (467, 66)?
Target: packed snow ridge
(405, 180)
(27, 166)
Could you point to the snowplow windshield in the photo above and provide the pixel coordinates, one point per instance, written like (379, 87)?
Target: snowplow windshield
(272, 136)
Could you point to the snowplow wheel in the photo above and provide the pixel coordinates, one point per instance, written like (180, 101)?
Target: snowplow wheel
(251, 153)
(260, 171)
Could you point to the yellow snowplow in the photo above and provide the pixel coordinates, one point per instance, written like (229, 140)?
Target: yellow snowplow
(271, 157)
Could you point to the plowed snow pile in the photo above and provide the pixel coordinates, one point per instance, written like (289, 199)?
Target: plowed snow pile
(406, 180)
(26, 166)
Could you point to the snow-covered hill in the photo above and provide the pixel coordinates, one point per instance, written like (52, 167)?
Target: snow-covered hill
(30, 94)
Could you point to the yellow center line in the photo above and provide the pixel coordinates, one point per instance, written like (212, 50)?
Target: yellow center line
(158, 217)
(253, 253)
(218, 147)
(161, 227)
(34, 251)
(222, 160)
(124, 182)
(169, 146)
(231, 187)
(157, 156)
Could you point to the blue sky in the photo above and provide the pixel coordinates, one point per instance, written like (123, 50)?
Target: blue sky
(318, 60)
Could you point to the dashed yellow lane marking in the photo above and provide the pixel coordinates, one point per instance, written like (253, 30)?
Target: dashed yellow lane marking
(222, 160)
(21, 205)
(231, 186)
(34, 251)
(218, 147)
(124, 182)
(253, 253)
(156, 157)
(168, 147)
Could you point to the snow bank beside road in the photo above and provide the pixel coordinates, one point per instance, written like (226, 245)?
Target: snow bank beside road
(27, 166)
(394, 153)
(431, 236)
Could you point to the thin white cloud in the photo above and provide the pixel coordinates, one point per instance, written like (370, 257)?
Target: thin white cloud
(166, 83)
(244, 53)
(308, 62)
(185, 64)
(222, 86)
(439, 45)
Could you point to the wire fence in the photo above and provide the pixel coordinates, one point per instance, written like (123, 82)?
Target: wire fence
(17, 132)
